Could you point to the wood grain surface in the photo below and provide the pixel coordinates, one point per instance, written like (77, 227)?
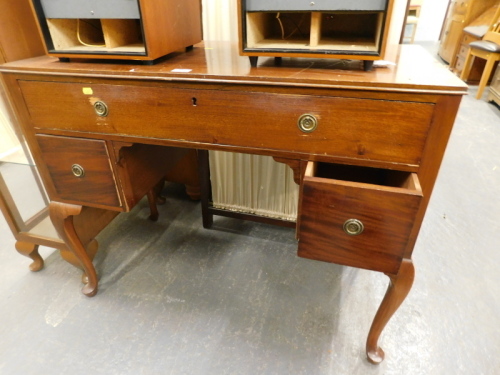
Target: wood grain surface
(383, 130)
(387, 214)
(96, 186)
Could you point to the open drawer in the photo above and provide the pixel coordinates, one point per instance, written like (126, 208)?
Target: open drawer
(357, 216)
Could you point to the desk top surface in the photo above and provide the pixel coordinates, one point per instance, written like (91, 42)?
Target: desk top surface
(219, 62)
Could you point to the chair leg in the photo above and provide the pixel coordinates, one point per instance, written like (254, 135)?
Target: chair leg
(490, 62)
(467, 66)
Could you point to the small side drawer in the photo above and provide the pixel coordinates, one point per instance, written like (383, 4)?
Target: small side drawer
(80, 170)
(357, 216)
(463, 51)
(467, 39)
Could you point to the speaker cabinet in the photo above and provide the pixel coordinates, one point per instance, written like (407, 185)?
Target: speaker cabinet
(117, 29)
(343, 29)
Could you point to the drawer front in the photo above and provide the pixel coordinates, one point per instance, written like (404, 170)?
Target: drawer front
(316, 5)
(468, 39)
(463, 51)
(386, 214)
(389, 131)
(63, 156)
(90, 8)
(459, 66)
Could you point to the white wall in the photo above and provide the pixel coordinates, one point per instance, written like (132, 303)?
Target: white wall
(220, 20)
(431, 20)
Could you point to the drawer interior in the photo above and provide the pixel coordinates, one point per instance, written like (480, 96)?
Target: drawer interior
(357, 216)
(334, 31)
(278, 29)
(366, 175)
(95, 35)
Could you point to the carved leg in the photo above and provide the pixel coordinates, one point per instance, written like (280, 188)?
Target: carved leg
(69, 257)
(154, 214)
(160, 199)
(30, 250)
(399, 286)
(62, 215)
(194, 192)
(206, 188)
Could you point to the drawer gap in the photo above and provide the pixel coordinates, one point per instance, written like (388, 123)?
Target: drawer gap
(367, 175)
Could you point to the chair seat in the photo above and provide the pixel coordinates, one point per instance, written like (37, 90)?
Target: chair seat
(484, 45)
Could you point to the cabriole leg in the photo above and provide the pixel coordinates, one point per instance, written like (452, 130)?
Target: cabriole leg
(30, 250)
(62, 215)
(398, 289)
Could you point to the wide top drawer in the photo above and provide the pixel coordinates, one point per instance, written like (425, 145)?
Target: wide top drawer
(354, 128)
(90, 8)
(316, 5)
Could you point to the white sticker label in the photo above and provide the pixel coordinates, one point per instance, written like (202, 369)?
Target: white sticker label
(181, 70)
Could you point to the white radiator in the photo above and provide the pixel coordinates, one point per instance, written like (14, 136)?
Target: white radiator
(253, 184)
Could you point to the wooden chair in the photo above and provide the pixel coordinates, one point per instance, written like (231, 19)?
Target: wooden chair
(489, 49)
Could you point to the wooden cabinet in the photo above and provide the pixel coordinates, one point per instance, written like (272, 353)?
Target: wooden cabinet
(460, 14)
(472, 33)
(457, 64)
(300, 28)
(377, 138)
(142, 30)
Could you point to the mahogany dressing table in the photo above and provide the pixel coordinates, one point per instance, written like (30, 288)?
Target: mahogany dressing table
(365, 147)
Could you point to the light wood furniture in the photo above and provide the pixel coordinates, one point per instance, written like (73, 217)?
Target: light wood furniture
(141, 30)
(345, 29)
(472, 33)
(365, 147)
(460, 14)
(494, 93)
(488, 49)
(411, 22)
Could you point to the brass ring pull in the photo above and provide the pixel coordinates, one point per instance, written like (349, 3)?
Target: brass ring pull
(307, 123)
(101, 109)
(77, 170)
(353, 227)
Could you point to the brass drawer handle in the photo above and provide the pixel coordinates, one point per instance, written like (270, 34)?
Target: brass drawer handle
(307, 123)
(353, 227)
(77, 170)
(101, 109)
